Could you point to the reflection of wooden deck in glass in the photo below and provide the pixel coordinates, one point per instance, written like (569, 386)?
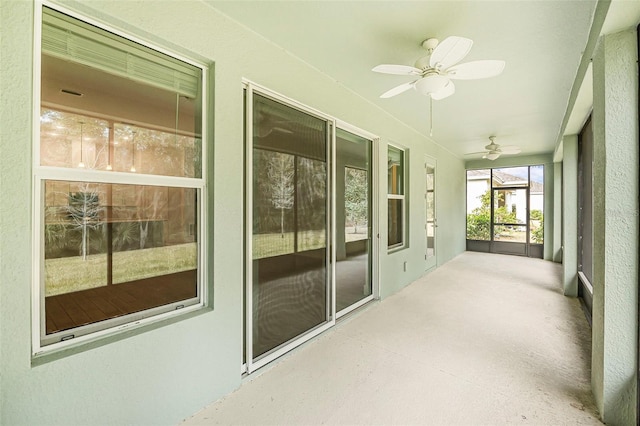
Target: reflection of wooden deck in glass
(289, 295)
(70, 310)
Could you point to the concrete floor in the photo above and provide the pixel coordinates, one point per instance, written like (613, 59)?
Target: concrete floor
(483, 340)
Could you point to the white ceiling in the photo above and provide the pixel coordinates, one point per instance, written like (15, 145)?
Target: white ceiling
(541, 41)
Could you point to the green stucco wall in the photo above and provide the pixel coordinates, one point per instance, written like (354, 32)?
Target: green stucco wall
(615, 227)
(570, 216)
(163, 373)
(557, 212)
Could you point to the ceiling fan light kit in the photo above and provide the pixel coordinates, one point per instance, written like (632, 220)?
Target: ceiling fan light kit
(432, 85)
(491, 156)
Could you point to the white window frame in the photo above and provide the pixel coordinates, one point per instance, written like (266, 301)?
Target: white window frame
(40, 174)
(401, 197)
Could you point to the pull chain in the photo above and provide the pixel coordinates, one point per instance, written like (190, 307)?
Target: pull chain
(177, 115)
(430, 116)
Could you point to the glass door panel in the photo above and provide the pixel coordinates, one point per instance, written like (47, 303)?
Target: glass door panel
(510, 215)
(536, 204)
(353, 216)
(512, 233)
(289, 293)
(431, 223)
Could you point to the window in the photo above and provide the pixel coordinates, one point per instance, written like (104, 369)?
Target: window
(395, 198)
(119, 183)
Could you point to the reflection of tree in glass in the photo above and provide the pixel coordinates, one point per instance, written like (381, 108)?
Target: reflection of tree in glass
(84, 212)
(123, 234)
(165, 153)
(60, 131)
(55, 232)
(148, 209)
(355, 196)
(311, 193)
(279, 186)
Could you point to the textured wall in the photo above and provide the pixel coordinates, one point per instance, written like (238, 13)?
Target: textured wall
(166, 372)
(615, 215)
(557, 212)
(15, 219)
(570, 215)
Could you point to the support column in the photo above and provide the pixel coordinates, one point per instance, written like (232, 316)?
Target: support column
(615, 227)
(570, 216)
(549, 222)
(557, 212)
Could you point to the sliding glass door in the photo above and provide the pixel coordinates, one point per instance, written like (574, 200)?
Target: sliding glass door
(309, 247)
(288, 292)
(354, 244)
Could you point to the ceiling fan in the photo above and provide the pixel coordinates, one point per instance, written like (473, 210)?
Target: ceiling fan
(494, 150)
(268, 124)
(438, 68)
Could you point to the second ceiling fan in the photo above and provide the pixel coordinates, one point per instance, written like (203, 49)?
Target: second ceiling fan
(494, 150)
(438, 68)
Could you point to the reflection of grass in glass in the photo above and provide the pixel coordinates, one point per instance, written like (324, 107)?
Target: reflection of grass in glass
(350, 233)
(268, 245)
(310, 240)
(68, 274)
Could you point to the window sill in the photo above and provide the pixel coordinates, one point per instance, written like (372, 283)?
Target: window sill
(52, 352)
(396, 249)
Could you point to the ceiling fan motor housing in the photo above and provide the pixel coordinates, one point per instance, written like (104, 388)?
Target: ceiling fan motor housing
(430, 44)
(423, 63)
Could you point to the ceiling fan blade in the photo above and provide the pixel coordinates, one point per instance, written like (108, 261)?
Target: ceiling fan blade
(398, 89)
(283, 130)
(509, 150)
(476, 153)
(449, 52)
(396, 69)
(475, 70)
(445, 92)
